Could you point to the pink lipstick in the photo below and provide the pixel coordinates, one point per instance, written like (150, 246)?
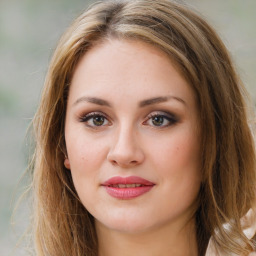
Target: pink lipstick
(127, 187)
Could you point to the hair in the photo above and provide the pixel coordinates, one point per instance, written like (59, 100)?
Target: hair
(62, 225)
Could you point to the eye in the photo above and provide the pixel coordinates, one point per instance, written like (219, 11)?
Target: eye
(160, 120)
(95, 119)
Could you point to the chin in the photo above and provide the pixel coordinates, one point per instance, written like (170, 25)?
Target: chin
(126, 225)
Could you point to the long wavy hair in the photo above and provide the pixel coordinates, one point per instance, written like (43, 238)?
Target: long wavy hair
(62, 225)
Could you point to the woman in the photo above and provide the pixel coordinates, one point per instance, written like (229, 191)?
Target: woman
(142, 139)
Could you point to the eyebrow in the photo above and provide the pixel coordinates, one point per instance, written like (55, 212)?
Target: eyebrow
(93, 100)
(157, 100)
(144, 103)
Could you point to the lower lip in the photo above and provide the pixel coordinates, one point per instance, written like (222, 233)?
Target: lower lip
(127, 193)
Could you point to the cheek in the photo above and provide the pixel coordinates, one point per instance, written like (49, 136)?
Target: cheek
(83, 151)
(85, 159)
(82, 160)
(181, 172)
(180, 151)
(178, 165)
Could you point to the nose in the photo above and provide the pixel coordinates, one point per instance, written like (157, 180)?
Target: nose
(125, 150)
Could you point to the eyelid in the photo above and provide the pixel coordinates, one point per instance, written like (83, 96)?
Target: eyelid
(86, 115)
(161, 113)
(84, 118)
(172, 118)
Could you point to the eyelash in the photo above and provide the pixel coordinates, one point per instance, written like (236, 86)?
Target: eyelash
(170, 118)
(89, 117)
(165, 117)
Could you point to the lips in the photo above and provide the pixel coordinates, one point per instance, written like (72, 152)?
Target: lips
(127, 187)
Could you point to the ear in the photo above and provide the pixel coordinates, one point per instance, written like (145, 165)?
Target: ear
(67, 163)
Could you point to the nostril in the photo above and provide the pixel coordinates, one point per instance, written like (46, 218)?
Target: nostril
(123, 163)
(125, 156)
(114, 162)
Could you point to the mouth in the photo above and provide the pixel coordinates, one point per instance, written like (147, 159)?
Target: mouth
(127, 187)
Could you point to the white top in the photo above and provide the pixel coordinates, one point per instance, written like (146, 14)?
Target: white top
(249, 227)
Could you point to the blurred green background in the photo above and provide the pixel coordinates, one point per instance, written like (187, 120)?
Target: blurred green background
(29, 30)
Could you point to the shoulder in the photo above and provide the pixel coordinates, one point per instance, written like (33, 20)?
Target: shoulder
(248, 223)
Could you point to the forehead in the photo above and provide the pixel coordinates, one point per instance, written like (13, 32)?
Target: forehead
(128, 68)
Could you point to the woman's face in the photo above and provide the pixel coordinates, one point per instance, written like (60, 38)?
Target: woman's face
(132, 138)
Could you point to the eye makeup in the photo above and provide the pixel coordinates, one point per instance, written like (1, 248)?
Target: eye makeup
(155, 119)
(161, 119)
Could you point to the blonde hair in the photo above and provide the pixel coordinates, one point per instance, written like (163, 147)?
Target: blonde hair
(62, 226)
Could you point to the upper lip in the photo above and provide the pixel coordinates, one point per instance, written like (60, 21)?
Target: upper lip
(127, 180)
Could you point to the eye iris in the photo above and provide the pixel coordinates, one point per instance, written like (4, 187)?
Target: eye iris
(158, 120)
(98, 120)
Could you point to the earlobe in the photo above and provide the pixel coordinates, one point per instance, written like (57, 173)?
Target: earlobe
(67, 163)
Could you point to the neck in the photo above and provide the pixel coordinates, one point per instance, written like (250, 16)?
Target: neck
(155, 242)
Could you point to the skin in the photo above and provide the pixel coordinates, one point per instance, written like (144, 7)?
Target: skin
(130, 136)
